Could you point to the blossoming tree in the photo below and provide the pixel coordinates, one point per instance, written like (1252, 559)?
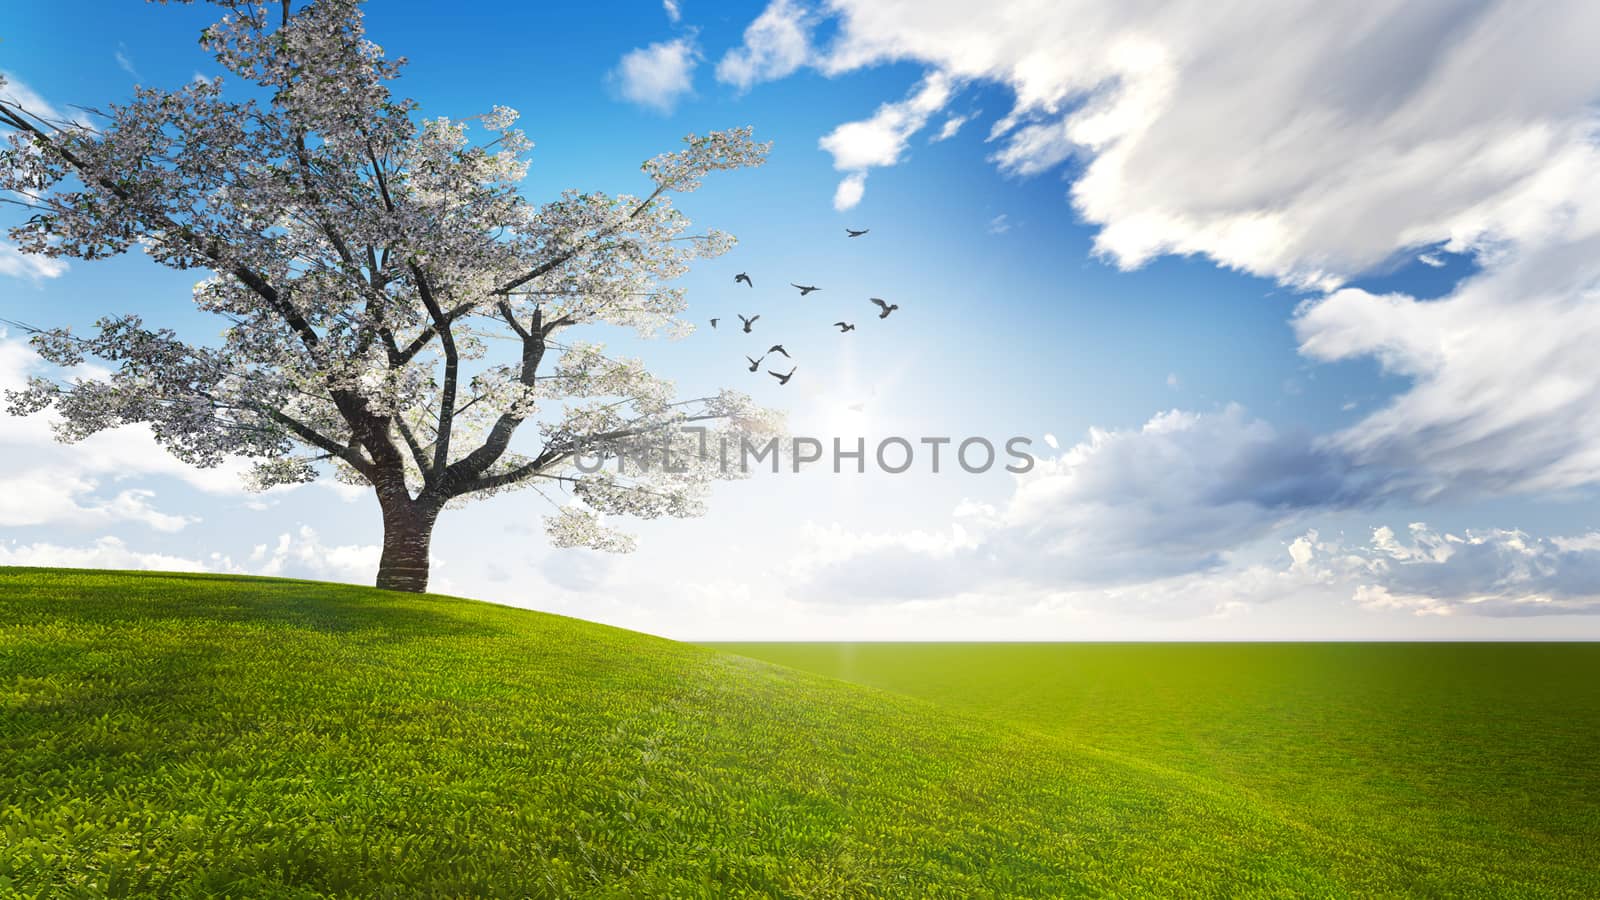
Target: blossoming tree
(396, 311)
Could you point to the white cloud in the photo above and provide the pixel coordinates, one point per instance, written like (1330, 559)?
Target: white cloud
(1504, 394)
(104, 553)
(849, 191)
(672, 10)
(303, 553)
(15, 263)
(45, 482)
(1496, 572)
(1172, 498)
(1432, 260)
(776, 44)
(951, 126)
(999, 224)
(20, 94)
(125, 63)
(1500, 573)
(1312, 143)
(1375, 127)
(59, 495)
(657, 76)
(880, 140)
(1173, 381)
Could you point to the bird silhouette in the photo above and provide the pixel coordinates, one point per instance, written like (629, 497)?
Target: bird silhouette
(714, 322)
(748, 322)
(778, 348)
(782, 379)
(886, 307)
(844, 326)
(804, 289)
(855, 232)
(744, 278)
(755, 364)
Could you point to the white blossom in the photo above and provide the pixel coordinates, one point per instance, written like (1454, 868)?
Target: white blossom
(395, 307)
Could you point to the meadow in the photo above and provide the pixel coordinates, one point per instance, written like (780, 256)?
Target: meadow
(168, 735)
(1460, 763)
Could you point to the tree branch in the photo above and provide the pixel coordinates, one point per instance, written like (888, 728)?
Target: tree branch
(452, 367)
(311, 436)
(208, 247)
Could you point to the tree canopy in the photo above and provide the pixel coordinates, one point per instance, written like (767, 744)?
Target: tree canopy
(396, 308)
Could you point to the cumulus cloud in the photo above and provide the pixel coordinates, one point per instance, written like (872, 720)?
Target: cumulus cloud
(1171, 498)
(1313, 143)
(104, 553)
(1384, 126)
(880, 140)
(304, 553)
(301, 553)
(658, 76)
(43, 482)
(1504, 394)
(776, 44)
(1494, 572)
(59, 495)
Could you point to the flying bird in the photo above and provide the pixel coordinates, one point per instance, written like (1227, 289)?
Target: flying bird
(748, 322)
(714, 322)
(755, 364)
(886, 307)
(853, 232)
(804, 289)
(844, 326)
(782, 379)
(744, 278)
(778, 348)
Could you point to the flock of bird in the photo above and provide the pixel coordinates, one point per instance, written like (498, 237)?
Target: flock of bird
(884, 307)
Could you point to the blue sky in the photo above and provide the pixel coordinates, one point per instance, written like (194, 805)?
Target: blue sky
(1175, 267)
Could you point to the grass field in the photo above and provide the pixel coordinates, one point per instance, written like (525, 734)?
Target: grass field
(181, 735)
(1461, 764)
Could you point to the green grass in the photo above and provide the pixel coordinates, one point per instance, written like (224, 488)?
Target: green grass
(182, 735)
(1469, 768)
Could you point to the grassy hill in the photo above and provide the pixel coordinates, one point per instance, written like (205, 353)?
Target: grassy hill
(181, 735)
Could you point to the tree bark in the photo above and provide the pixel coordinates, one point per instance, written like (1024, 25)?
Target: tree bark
(407, 532)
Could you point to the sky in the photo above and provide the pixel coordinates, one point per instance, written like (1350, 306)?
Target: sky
(1295, 301)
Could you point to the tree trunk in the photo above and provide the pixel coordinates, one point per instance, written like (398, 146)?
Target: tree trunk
(407, 532)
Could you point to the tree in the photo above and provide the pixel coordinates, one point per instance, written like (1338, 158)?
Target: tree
(371, 266)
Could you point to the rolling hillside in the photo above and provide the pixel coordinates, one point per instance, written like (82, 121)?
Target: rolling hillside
(178, 735)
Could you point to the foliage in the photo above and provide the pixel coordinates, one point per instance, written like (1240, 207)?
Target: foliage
(395, 306)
